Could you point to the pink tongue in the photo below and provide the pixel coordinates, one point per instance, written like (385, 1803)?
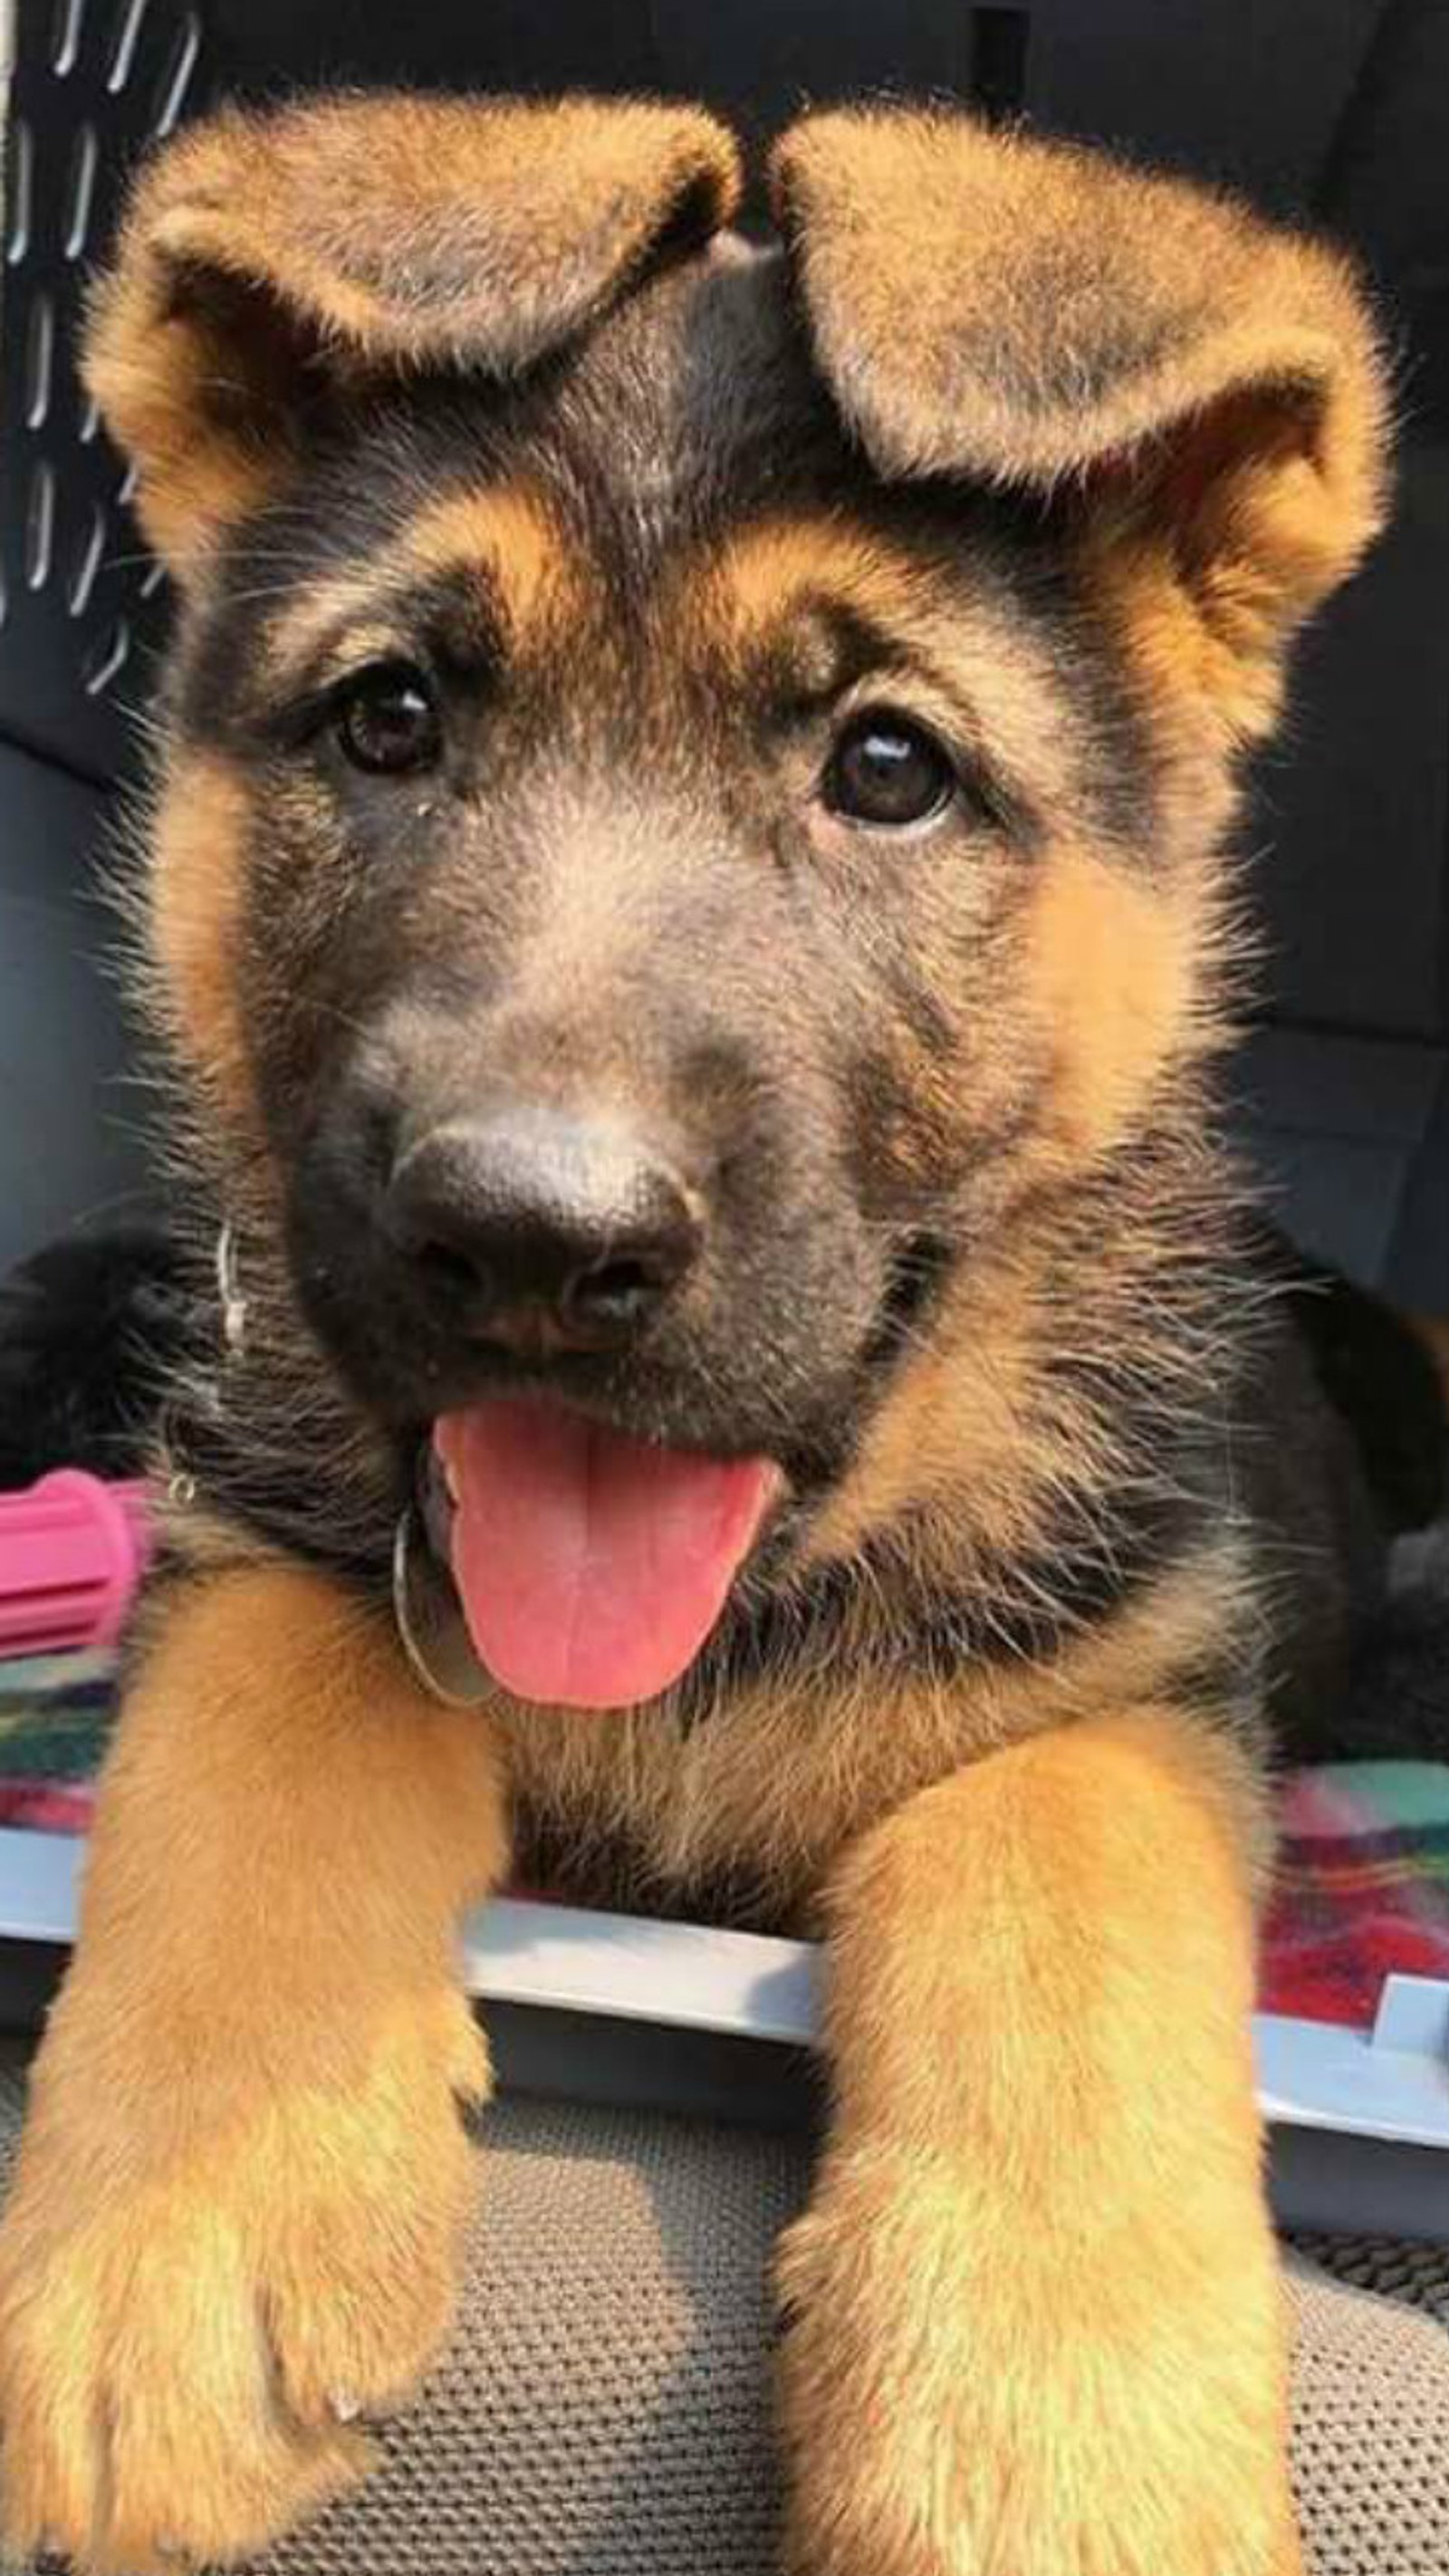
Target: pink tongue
(591, 1567)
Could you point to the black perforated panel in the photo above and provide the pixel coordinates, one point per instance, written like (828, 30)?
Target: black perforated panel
(94, 81)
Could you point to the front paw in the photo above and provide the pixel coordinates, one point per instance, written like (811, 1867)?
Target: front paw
(186, 2336)
(963, 2402)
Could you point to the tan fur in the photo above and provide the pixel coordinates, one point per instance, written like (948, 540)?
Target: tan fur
(760, 572)
(983, 2349)
(238, 2210)
(1121, 972)
(509, 531)
(193, 924)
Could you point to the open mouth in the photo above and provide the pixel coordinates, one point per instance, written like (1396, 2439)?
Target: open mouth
(591, 1566)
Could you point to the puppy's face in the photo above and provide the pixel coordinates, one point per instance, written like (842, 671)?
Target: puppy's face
(646, 826)
(659, 883)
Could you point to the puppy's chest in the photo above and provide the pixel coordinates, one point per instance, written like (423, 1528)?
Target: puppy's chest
(739, 1817)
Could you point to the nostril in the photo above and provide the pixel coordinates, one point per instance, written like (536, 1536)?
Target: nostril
(615, 1291)
(445, 1266)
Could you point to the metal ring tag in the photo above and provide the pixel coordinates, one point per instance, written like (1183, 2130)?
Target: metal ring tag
(430, 1620)
(228, 1289)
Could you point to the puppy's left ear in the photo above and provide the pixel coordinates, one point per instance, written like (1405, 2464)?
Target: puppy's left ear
(1204, 392)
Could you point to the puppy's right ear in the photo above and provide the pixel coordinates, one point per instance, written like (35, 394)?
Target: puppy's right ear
(268, 263)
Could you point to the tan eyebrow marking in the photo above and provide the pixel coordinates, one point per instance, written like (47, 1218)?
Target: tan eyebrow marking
(340, 614)
(508, 530)
(352, 648)
(501, 532)
(976, 653)
(761, 573)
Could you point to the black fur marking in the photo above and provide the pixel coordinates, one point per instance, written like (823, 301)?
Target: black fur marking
(90, 1333)
(1381, 1379)
(283, 1502)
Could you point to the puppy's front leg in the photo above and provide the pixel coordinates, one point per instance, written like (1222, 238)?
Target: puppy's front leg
(1036, 2324)
(237, 2216)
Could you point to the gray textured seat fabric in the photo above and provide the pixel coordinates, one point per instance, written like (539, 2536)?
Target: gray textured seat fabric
(1371, 2423)
(604, 2410)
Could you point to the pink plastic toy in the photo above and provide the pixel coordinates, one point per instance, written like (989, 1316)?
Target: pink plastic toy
(72, 1553)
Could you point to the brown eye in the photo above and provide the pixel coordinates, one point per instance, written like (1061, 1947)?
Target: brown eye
(887, 770)
(387, 720)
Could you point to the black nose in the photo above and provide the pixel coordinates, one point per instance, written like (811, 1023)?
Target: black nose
(542, 1231)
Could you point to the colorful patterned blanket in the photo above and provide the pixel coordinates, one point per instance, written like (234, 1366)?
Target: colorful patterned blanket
(1362, 1888)
(54, 1714)
(1363, 1871)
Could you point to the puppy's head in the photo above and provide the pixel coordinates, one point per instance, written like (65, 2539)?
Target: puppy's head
(695, 773)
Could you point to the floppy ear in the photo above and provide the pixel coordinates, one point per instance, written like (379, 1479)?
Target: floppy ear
(1204, 391)
(268, 261)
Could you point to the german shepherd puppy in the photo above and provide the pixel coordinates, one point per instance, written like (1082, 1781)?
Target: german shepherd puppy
(687, 897)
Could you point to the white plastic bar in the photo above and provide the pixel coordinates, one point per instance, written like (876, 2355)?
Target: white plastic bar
(1413, 2014)
(39, 1882)
(1392, 2084)
(682, 1974)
